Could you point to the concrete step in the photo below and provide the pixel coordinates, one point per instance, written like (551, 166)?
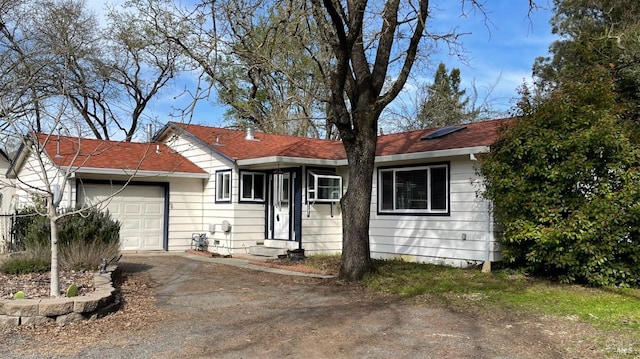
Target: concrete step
(267, 251)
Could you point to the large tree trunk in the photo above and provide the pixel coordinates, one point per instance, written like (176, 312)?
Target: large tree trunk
(356, 203)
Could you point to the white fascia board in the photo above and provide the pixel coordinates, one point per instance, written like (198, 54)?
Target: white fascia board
(291, 160)
(433, 154)
(114, 171)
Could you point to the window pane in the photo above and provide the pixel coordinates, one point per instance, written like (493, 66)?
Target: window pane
(439, 188)
(311, 185)
(247, 184)
(285, 190)
(223, 185)
(387, 190)
(411, 189)
(227, 186)
(258, 186)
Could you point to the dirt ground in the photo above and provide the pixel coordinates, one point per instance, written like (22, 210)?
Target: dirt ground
(180, 307)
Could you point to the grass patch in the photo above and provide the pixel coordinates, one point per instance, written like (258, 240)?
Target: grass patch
(323, 262)
(607, 308)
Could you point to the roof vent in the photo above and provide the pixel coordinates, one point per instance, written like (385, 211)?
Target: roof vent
(443, 132)
(249, 136)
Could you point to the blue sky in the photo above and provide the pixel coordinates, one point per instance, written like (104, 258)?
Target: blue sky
(500, 50)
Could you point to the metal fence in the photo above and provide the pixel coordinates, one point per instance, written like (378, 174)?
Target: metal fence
(7, 233)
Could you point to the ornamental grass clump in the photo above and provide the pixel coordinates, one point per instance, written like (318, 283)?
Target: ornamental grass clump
(84, 239)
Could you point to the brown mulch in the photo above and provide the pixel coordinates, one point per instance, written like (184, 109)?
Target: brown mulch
(296, 266)
(37, 285)
(137, 312)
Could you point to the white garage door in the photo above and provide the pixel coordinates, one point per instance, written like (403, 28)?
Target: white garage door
(139, 209)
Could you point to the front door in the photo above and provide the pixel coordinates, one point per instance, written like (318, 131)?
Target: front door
(281, 206)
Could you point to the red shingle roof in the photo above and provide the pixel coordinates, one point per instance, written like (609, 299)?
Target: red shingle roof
(91, 153)
(475, 134)
(232, 143)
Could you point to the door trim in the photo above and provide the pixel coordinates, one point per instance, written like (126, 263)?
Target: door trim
(295, 215)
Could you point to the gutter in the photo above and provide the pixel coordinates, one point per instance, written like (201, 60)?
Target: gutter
(138, 173)
(293, 160)
(432, 154)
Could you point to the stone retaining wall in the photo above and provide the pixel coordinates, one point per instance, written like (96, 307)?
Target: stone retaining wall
(103, 300)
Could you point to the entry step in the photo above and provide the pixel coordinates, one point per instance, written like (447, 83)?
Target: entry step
(267, 251)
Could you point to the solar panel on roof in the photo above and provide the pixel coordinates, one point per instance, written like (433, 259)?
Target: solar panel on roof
(443, 132)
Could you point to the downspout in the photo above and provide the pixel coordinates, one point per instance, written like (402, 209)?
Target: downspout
(486, 266)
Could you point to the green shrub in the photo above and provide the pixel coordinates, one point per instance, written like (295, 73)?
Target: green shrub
(83, 238)
(24, 264)
(565, 184)
(88, 227)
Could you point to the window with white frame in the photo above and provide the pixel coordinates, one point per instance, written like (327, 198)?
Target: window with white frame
(223, 186)
(323, 186)
(414, 190)
(252, 186)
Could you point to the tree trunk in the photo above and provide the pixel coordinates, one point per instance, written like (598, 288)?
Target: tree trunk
(54, 289)
(356, 204)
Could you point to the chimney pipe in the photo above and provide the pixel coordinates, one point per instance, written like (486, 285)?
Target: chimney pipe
(149, 134)
(249, 136)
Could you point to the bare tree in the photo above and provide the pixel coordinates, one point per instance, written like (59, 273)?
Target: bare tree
(109, 76)
(360, 88)
(141, 62)
(55, 79)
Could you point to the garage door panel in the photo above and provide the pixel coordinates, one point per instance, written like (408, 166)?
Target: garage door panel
(153, 208)
(139, 209)
(132, 208)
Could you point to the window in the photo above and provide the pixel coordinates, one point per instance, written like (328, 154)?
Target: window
(419, 190)
(252, 186)
(323, 187)
(223, 186)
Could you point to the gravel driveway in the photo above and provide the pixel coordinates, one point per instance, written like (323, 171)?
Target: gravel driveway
(181, 306)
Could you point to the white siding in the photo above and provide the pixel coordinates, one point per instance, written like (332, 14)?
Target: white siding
(37, 174)
(185, 212)
(246, 220)
(321, 233)
(439, 239)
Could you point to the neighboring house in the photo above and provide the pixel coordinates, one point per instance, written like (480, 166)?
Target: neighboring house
(6, 203)
(255, 192)
(6, 185)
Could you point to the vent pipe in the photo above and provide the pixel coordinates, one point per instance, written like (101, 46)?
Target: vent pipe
(249, 136)
(149, 134)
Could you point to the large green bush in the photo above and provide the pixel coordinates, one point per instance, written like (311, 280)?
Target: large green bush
(565, 183)
(84, 238)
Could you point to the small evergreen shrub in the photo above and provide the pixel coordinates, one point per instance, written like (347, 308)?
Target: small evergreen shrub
(24, 264)
(83, 240)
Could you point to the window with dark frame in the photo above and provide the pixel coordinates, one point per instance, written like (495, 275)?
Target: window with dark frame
(223, 186)
(252, 186)
(414, 190)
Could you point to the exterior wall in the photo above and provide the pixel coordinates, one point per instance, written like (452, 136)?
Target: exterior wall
(6, 189)
(185, 212)
(322, 233)
(246, 219)
(439, 239)
(31, 176)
